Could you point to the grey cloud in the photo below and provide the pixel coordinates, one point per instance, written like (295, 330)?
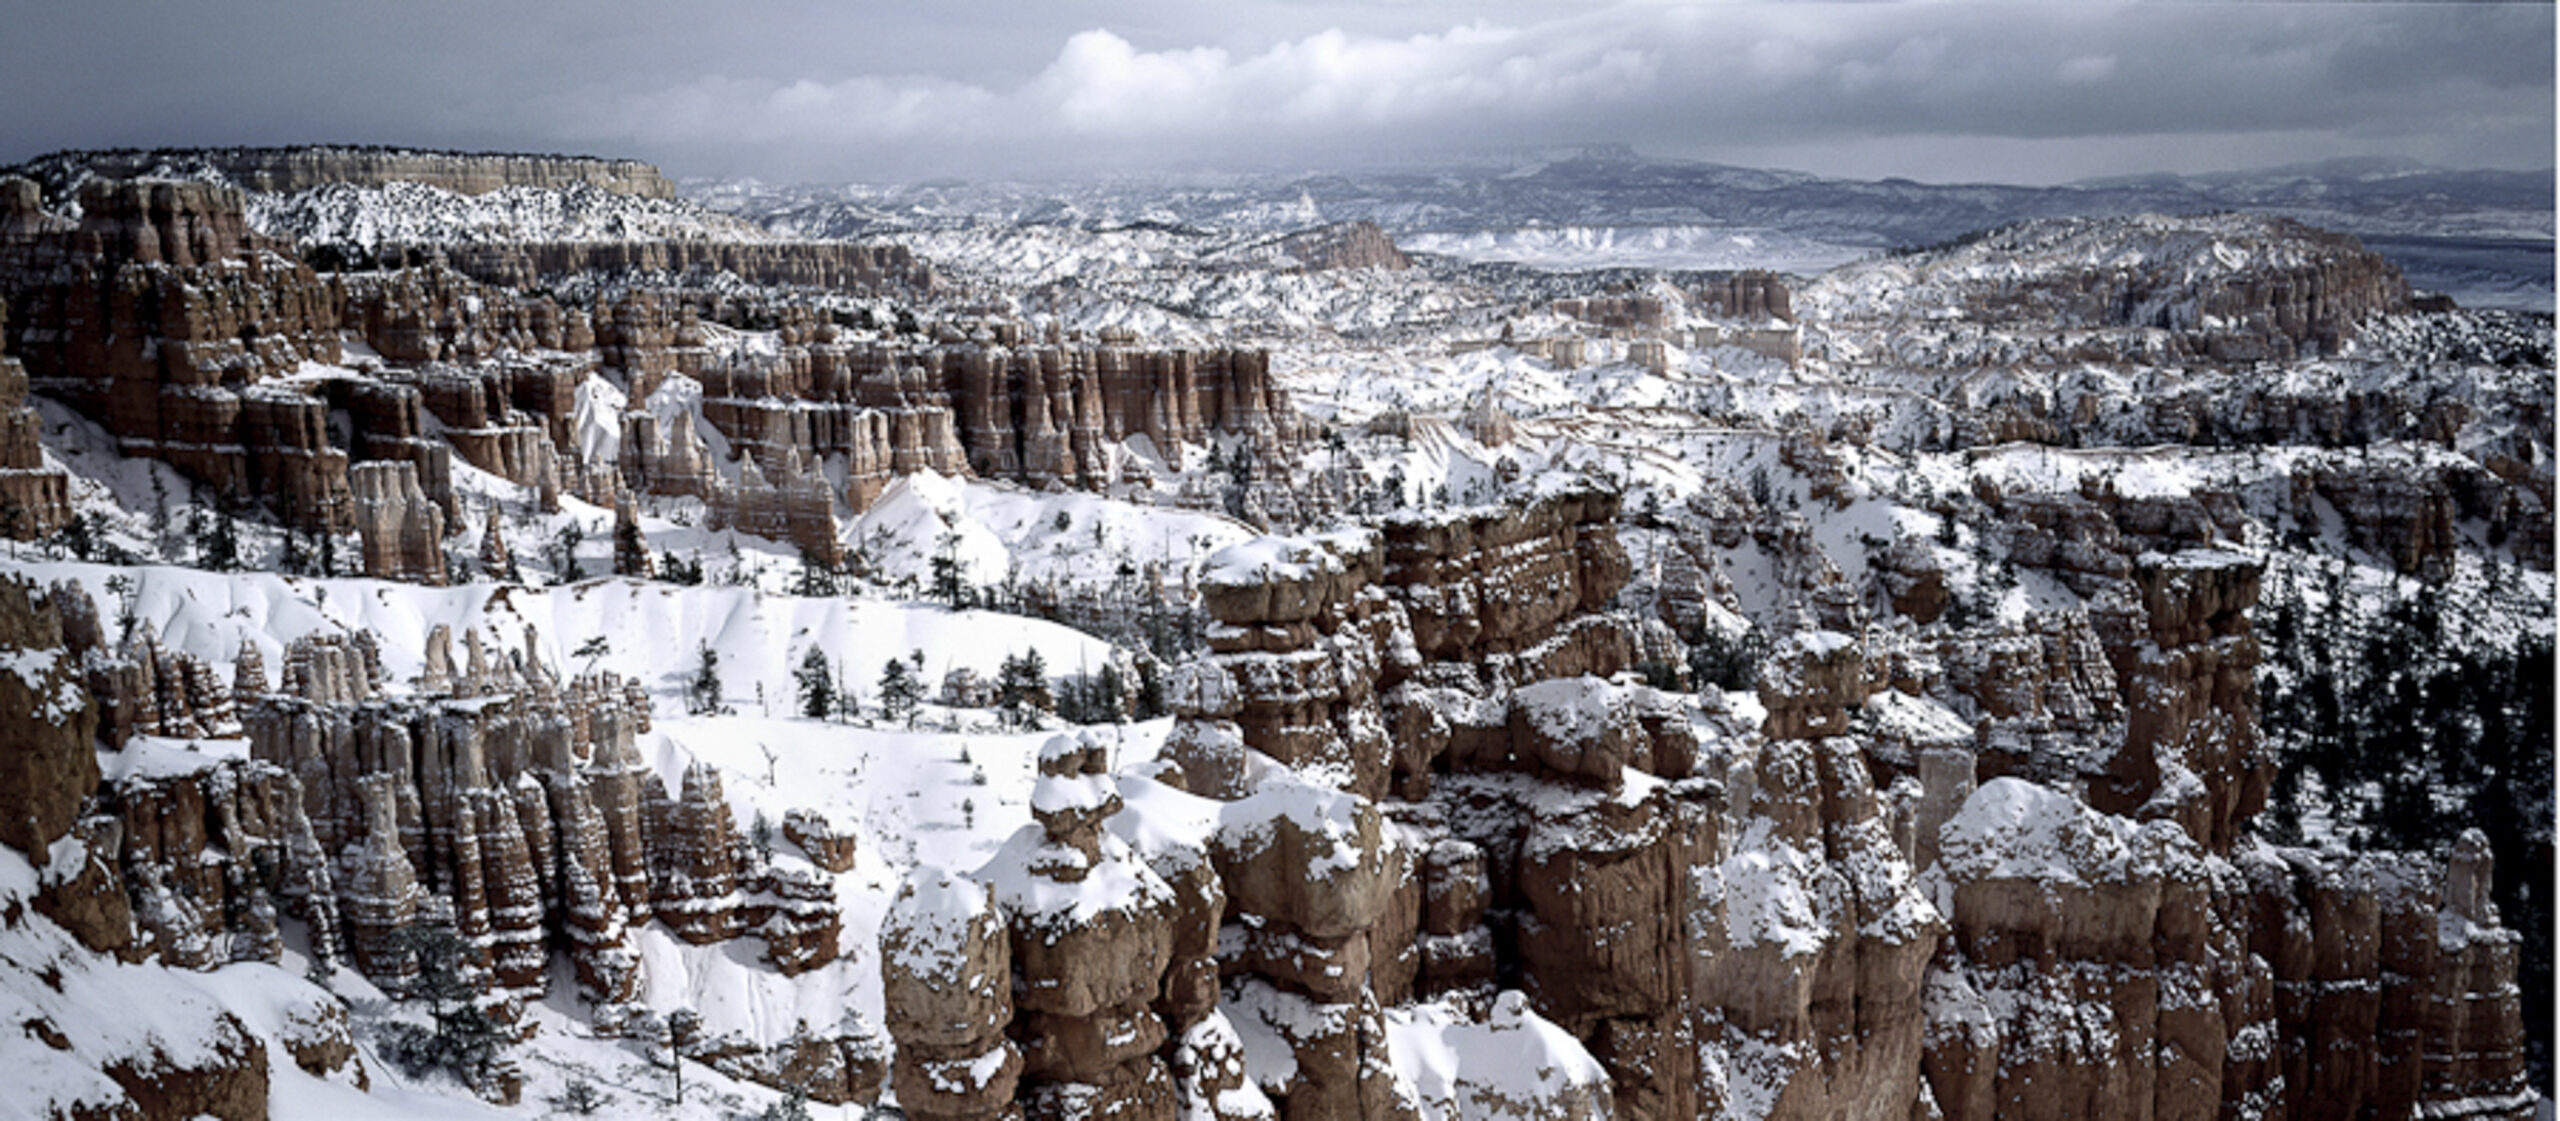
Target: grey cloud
(800, 88)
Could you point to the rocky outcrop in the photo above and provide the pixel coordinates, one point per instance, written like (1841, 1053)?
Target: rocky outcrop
(50, 763)
(400, 532)
(161, 315)
(1044, 414)
(290, 170)
(35, 499)
(2223, 290)
(947, 981)
(1344, 245)
(137, 686)
(1092, 929)
(1552, 830)
(165, 863)
(1619, 314)
(2284, 981)
(1750, 295)
(2007, 870)
(516, 802)
(834, 266)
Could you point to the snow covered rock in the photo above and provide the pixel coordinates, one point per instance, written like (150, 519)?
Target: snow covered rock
(401, 533)
(35, 499)
(819, 839)
(946, 972)
(1513, 1065)
(48, 765)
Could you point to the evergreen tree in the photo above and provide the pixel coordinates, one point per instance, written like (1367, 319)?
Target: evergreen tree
(465, 1040)
(1022, 689)
(564, 553)
(702, 694)
(1107, 690)
(817, 684)
(950, 584)
(222, 542)
(684, 1026)
(815, 579)
(1151, 702)
(1725, 661)
(595, 646)
(900, 691)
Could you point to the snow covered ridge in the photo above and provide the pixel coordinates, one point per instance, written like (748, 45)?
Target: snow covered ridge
(2483, 235)
(286, 171)
(409, 213)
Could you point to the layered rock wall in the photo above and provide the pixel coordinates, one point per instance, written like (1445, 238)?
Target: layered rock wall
(291, 170)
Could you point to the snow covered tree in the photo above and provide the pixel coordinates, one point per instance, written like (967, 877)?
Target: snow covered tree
(900, 691)
(792, 1106)
(816, 579)
(594, 647)
(580, 1097)
(1727, 662)
(465, 1040)
(702, 694)
(1151, 702)
(817, 684)
(1022, 689)
(684, 1026)
(950, 582)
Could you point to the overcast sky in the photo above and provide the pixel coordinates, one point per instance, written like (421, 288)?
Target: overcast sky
(799, 89)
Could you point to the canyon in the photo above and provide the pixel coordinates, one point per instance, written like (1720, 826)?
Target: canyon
(1741, 695)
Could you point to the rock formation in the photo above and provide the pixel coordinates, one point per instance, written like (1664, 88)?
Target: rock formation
(168, 864)
(1566, 833)
(401, 533)
(161, 315)
(2053, 904)
(50, 763)
(35, 500)
(288, 170)
(1344, 245)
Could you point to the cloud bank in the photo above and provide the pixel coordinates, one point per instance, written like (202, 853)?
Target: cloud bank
(2016, 91)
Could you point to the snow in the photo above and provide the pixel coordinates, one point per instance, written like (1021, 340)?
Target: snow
(1117, 880)
(1575, 248)
(2013, 829)
(1327, 821)
(417, 214)
(1515, 1064)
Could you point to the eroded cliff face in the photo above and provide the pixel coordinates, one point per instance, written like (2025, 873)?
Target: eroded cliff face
(163, 316)
(287, 170)
(35, 498)
(103, 880)
(2008, 871)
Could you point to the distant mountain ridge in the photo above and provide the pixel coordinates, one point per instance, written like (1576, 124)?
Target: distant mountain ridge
(2483, 236)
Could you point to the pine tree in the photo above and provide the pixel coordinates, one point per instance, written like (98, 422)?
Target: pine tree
(1107, 689)
(900, 691)
(1150, 690)
(564, 553)
(1022, 689)
(817, 684)
(466, 1040)
(684, 1025)
(949, 582)
(702, 694)
(815, 579)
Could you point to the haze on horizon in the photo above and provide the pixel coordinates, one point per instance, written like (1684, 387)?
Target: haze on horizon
(807, 90)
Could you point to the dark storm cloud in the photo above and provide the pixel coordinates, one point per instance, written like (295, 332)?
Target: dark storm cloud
(779, 87)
